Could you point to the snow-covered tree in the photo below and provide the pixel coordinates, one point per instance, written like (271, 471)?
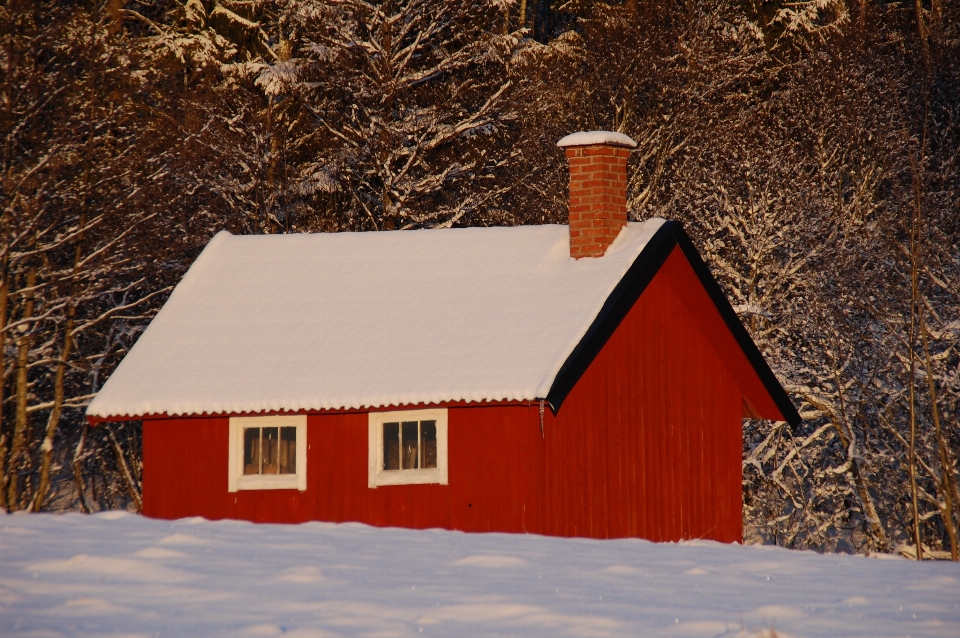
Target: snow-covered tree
(411, 103)
(77, 216)
(809, 147)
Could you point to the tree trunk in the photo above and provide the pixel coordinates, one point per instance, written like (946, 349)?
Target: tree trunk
(923, 33)
(949, 485)
(936, 21)
(3, 387)
(838, 422)
(132, 488)
(912, 344)
(873, 517)
(53, 421)
(77, 473)
(21, 422)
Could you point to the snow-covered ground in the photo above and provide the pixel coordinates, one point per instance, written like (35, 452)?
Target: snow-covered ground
(116, 574)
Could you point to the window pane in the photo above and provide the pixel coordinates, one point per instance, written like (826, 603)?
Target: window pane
(428, 444)
(269, 448)
(288, 450)
(391, 446)
(410, 445)
(251, 450)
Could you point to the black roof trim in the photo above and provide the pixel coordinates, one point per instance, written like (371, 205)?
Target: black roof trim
(615, 308)
(626, 293)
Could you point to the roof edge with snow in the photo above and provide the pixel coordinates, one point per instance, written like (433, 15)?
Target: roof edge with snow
(593, 336)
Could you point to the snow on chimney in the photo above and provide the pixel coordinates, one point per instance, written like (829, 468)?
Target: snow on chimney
(598, 189)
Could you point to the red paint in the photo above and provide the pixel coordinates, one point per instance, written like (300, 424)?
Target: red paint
(686, 285)
(647, 444)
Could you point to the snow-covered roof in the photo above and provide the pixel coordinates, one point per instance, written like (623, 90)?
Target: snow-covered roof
(587, 138)
(354, 320)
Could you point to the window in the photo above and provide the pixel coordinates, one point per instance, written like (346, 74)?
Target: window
(407, 447)
(268, 453)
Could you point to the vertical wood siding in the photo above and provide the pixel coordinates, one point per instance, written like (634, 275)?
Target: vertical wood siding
(648, 444)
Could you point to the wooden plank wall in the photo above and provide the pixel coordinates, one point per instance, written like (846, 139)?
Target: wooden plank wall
(648, 444)
(495, 461)
(665, 460)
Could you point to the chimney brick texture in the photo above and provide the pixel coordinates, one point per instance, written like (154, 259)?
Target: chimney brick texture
(598, 197)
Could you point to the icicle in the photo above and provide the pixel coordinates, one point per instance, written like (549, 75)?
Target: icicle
(541, 420)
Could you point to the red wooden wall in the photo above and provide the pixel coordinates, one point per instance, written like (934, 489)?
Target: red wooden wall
(647, 444)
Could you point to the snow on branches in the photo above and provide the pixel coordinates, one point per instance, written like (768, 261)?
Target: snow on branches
(809, 148)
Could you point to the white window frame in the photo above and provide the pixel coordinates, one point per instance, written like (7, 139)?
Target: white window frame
(237, 480)
(378, 477)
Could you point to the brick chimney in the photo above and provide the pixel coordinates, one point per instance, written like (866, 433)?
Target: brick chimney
(598, 189)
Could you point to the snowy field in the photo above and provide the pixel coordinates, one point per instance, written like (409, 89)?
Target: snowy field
(116, 574)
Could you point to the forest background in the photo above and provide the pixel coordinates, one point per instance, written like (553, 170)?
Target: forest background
(811, 148)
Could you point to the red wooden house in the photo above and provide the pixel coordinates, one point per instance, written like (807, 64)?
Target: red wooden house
(588, 380)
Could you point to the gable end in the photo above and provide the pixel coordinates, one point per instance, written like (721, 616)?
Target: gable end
(625, 295)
